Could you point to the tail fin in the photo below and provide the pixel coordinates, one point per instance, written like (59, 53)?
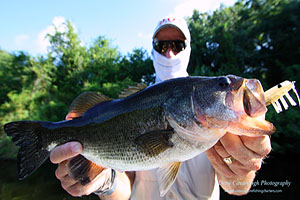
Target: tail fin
(31, 155)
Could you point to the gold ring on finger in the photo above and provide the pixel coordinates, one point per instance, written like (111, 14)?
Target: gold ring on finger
(228, 160)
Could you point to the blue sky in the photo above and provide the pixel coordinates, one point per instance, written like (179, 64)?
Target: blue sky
(128, 24)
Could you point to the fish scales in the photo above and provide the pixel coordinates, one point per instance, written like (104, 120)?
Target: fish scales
(118, 148)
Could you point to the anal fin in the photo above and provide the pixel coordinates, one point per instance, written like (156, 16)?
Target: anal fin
(83, 170)
(167, 176)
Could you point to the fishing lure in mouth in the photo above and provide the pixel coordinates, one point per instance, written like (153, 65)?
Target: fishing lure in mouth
(276, 94)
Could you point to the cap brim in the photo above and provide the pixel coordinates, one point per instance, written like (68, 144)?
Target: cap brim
(164, 26)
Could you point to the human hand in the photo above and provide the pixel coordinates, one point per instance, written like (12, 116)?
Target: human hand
(247, 152)
(61, 155)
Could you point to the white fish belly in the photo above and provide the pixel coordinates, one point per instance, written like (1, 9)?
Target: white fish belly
(181, 151)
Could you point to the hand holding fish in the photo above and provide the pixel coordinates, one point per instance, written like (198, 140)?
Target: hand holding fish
(62, 155)
(248, 154)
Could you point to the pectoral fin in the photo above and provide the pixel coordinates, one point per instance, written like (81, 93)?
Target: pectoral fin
(166, 176)
(155, 142)
(83, 170)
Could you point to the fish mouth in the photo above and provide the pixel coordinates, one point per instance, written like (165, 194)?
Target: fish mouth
(246, 96)
(253, 98)
(248, 102)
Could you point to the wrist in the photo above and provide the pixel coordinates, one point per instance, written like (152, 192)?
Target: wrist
(109, 186)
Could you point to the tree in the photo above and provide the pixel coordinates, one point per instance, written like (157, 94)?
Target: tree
(138, 66)
(15, 73)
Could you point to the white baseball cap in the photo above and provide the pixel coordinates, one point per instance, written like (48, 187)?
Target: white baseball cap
(176, 22)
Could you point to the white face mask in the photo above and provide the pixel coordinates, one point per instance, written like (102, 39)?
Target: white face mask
(167, 68)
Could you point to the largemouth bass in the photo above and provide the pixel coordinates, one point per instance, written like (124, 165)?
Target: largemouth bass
(160, 126)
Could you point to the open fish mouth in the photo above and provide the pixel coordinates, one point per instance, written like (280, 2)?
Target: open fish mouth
(248, 102)
(253, 98)
(247, 96)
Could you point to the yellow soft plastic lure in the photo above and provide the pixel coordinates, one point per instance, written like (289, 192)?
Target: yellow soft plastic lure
(276, 93)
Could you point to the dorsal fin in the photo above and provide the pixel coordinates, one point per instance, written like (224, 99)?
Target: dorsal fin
(84, 102)
(132, 89)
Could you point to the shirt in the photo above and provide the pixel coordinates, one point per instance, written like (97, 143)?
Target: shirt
(196, 180)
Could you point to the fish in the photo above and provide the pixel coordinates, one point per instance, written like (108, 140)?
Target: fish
(159, 126)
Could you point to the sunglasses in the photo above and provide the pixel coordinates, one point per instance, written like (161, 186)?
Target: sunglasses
(161, 46)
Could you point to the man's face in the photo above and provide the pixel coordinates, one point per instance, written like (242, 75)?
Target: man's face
(169, 33)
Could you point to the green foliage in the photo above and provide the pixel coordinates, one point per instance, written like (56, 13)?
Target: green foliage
(15, 72)
(286, 140)
(136, 64)
(252, 38)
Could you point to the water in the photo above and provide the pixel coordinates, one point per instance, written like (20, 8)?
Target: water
(40, 185)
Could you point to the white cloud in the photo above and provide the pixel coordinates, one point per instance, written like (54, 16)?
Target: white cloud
(140, 34)
(185, 7)
(59, 23)
(144, 36)
(144, 40)
(21, 40)
(38, 44)
(42, 40)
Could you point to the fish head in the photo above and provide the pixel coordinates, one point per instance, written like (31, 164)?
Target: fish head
(233, 104)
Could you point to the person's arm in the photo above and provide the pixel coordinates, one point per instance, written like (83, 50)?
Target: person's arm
(248, 153)
(63, 153)
(124, 185)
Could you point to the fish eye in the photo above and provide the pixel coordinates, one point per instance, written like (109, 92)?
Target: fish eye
(224, 81)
